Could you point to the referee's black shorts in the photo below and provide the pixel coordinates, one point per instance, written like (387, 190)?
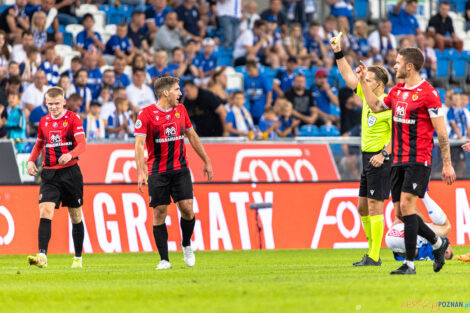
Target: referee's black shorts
(375, 181)
(176, 184)
(62, 185)
(409, 178)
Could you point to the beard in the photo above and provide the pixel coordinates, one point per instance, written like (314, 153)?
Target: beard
(402, 74)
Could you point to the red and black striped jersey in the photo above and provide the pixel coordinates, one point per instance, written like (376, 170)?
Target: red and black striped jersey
(164, 131)
(58, 135)
(412, 131)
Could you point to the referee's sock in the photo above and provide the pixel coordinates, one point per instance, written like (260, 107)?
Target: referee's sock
(427, 233)
(187, 228)
(78, 234)
(377, 231)
(367, 230)
(44, 234)
(411, 232)
(160, 233)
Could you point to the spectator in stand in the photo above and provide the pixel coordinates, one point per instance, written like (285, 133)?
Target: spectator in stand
(181, 67)
(239, 121)
(250, 16)
(324, 96)
(33, 96)
(205, 63)
(218, 84)
(446, 107)
(161, 65)
(66, 85)
(93, 125)
(120, 78)
(139, 62)
(50, 67)
(4, 54)
(351, 110)
(274, 43)
(74, 102)
(13, 70)
(229, 13)
(274, 13)
(34, 117)
(302, 101)
(90, 62)
(108, 80)
(326, 32)
(3, 122)
(285, 78)
(139, 94)
(269, 124)
(404, 21)
(294, 45)
(257, 90)
(190, 20)
(87, 39)
(120, 124)
(29, 67)
(120, 44)
(458, 117)
(18, 52)
(441, 28)
(75, 64)
(155, 15)
(42, 39)
(467, 15)
(169, 36)
(251, 43)
(65, 10)
(108, 105)
(381, 40)
(205, 110)
(341, 8)
(14, 21)
(359, 44)
(80, 87)
(139, 34)
(287, 123)
(16, 121)
(51, 21)
(314, 44)
(430, 59)
(12, 85)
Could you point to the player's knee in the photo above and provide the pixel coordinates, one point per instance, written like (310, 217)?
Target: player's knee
(46, 211)
(160, 211)
(75, 215)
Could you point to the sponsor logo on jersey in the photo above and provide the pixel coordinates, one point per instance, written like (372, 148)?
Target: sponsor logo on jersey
(170, 131)
(55, 140)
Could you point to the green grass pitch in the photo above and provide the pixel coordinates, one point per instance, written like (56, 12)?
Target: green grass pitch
(231, 281)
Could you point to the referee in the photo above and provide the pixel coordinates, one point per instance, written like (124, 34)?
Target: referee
(376, 164)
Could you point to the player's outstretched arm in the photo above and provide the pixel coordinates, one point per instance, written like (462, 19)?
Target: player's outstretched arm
(466, 146)
(448, 173)
(374, 103)
(199, 148)
(344, 68)
(140, 161)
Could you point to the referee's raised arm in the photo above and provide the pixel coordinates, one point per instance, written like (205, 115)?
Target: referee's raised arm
(344, 68)
(374, 103)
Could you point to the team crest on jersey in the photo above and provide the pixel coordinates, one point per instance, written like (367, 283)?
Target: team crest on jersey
(138, 124)
(371, 120)
(54, 125)
(168, 117)
(177, 114)
(401, 109)
(65, 124)
(405, 95)
(414, 97)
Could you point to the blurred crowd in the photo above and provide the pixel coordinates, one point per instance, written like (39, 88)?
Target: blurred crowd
(244, 71)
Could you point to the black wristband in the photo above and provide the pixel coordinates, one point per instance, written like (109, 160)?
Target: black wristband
(339, 55)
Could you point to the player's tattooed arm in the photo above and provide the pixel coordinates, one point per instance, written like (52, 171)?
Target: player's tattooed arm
(437, 120)
(445, 148)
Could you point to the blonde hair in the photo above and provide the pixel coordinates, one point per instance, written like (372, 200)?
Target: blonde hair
(284, 103)
(359, 23)
(55, 92)
(35, 17)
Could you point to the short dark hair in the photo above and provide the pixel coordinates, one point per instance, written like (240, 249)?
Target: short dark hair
(414, 56)
(380, 72)
(176, 49)
(14, 80)
(88, 15)
(411, 1)
(122, 24)
(79, 71)
(77, 59)
(189, 83)
(95, 104)
(138, 69)
(164, 83)
(444, 3)
(259, 23)
(137, 12)
(75, 97)
(237, 92)
(26, 33)
(313, 23)
(251, 63)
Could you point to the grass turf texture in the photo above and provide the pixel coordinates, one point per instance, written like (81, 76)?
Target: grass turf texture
(234, 281)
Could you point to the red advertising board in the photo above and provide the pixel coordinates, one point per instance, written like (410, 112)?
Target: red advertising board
(303, 216)
(114, 163)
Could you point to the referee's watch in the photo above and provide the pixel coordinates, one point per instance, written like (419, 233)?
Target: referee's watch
(385, 154)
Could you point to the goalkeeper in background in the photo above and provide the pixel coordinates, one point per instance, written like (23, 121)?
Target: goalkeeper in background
(375, 146)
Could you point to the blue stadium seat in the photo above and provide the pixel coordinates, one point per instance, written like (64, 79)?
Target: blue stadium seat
(362, 8)
(126, 10)
(335, 79)
(457, 6)
(3, 8)
(443, 68)
(442, 94)
(241, 69)
(224, 56)
(329, 131)
(457, 90)
(108, 9)
(335, 110)
(309, 131)
(116, 18)
(268, 73)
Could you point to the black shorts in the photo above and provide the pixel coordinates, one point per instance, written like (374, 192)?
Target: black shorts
(457, 153)
(175, 184)
(375, 181)
(413, 178)
(62, 185)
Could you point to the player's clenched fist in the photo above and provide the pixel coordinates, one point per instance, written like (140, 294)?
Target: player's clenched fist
(32, 169)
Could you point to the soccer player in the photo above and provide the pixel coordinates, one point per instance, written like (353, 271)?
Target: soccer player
(417, 112)
(440, 224)
(162, 127)
(375, 138)
(61, 133)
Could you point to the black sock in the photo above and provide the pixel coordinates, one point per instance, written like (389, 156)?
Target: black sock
(426, 232)
(161, 240)
(187, 228)
(44, 234)
(78, 234)
(411, 233)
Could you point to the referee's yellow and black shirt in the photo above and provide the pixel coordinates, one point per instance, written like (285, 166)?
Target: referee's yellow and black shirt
(376, 127)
